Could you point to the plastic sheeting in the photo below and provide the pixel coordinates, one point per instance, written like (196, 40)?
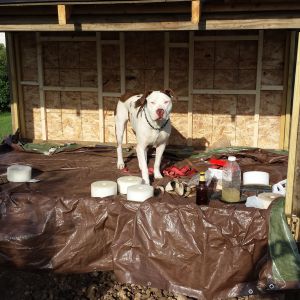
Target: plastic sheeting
(168, 242)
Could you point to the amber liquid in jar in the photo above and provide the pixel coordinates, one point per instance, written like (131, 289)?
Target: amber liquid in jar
(202, 191)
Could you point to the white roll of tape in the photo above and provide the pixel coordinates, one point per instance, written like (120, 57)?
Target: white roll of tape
(19, 173)
(126, 181)
(140, 192)
(104, 188)
(256, 178)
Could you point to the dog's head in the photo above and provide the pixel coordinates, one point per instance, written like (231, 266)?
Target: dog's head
(159, 103)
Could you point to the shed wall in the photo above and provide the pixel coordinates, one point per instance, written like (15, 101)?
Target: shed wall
(229, 84)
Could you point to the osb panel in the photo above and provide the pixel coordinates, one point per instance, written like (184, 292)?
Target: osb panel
(50, 54)
(225, 105)
(109, 106)
(272, 77)
(88, 78)
(52, 103)
(54, 125)
(179, 37)
(179, 82)
(154, 49)
(248, 55)
(225, 79)
(227, 55)
(135, 80)
(51, 77)
(110, 35)
(90, 127)
(111, 80)
(109, 133)
(203, 79)
(179, 59)
(88, 55)
(89, 103)
(154, 79)
(69, 55)
(269, 132)
(244, 129)
(28, 55)
(202, 104)
(204, 54)
(245, 105)
(111, 57)
(270, 103)
(223, 126)
(71, 103)
(246, 79)
(71, 123)
(134, 50)
(179, 119)
(273, 49)
(69, 77)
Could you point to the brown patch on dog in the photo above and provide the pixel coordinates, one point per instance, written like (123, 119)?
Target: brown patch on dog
(142, 101)
(170, 93)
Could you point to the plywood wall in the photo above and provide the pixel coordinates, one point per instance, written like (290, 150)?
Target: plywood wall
(214, 75)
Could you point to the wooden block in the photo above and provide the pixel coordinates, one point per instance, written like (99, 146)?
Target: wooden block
(196, 11)
(63, 14)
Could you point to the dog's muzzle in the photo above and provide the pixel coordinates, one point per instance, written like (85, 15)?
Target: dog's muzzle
(160, 113)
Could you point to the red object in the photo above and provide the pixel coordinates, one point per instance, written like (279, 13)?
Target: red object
(150, 171)
(125, 170)
(218, 162)
(175, 172)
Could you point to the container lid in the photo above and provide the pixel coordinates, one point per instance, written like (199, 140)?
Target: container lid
(231, 158)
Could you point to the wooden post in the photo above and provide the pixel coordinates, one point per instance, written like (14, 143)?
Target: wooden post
(20, 88)
(63, 14)
(293, 138)
(289, 90)
(100, 87)
(13, 81)
(41, 87)
(190, 88)
(258, 87)
(196, 9)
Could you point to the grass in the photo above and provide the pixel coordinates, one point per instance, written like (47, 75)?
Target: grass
(5, 124)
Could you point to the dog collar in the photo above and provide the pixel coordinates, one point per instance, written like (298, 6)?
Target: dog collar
(160, 128)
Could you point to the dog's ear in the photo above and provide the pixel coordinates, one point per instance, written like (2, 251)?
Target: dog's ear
(171, 94)
(142, 101)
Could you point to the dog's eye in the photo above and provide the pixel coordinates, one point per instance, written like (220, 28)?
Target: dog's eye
(152, 102)
(166, 102)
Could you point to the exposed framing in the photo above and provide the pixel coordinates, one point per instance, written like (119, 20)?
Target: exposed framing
(41, 87)
(190, 88)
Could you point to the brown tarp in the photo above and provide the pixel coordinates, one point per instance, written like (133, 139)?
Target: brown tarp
(166, 242)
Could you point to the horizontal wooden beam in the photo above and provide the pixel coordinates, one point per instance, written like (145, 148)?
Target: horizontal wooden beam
(226, 38)
(272, 87)
(222, 92)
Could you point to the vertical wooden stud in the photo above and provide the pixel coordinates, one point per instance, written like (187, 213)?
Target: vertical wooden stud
(196, 9)
(41, 87)
(289, 90)
(190, 88)
(100, 86)
(13, 81)
(63, 14)
(293, 138)
(258, 87)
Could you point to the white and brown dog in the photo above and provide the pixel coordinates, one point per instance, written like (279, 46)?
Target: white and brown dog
(149, 118)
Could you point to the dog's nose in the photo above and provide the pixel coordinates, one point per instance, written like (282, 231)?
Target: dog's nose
(160, 112)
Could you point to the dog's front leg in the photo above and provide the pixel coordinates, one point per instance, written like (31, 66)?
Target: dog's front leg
(141, 152)
(158, 156)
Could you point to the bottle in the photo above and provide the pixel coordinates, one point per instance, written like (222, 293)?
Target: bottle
(231, 181)
(202, 191)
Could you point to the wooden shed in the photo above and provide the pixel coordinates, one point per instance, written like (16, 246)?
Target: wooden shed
(231, 63)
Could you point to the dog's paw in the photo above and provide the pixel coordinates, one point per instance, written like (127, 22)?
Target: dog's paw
(120, 166)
